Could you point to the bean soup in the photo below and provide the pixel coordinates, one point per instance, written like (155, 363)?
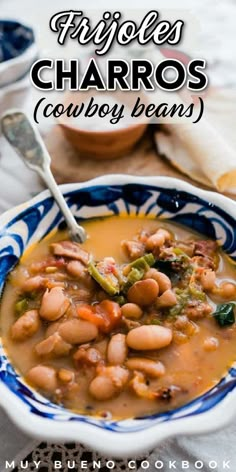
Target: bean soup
(138, 320)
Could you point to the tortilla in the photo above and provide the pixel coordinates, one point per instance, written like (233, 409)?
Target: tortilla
(205, 151)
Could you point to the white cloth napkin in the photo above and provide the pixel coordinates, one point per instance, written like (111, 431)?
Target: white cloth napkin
(197, 153)
(14, 445)
(216, 451)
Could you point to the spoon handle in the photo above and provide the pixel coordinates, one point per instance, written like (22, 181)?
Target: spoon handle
(27, 142)
(77, 232)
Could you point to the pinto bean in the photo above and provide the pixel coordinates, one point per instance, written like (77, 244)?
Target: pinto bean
(26, 326)
(109, 382)
(144, 292)
(227, 290)
(148, 337)
(76, 331)
(54, 283)
(102, 388)
(167, 299)
(117, 349)
(102, 346)
(211, 344)
(166, 234)
(155, 241)
(54, 304)
(66, 376)
(33, 283)
(207, 279)
(52, 328)
(149, 367)
(162, 279)
(43, 377)
(53, 346)
(131, 311)
(80, 272)
(76, 268)
(51, 270)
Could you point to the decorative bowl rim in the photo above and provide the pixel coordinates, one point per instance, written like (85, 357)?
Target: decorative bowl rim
(106, 440)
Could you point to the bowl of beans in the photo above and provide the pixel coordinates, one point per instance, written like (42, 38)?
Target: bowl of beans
(133, 333)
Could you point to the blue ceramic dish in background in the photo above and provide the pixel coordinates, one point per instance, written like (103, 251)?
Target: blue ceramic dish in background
(18, 51)
(14, 39)
(211, 214)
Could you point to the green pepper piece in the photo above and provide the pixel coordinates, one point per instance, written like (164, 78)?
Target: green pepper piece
(143, 263)
(196, 293)
(149, 259)
(120, 299)
(154, 321)
(180, 253)
(224, 314)
(21, 306)
(183, 297)
(137, 270)
(133, 276)
(107, 280)
(181, 303)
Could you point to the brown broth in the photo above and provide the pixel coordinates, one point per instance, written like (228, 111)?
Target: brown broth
(188, 365)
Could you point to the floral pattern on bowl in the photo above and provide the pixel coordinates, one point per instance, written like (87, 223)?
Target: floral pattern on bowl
(209, 213)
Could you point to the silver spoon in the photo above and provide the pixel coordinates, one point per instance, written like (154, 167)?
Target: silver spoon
(27, 142)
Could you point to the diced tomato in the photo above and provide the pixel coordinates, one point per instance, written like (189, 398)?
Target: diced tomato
(88, 313)
(112, 311)
(105, 315)
(112, 268)
(59, 262)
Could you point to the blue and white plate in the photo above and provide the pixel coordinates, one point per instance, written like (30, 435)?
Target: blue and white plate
(18, 51)
(209, 213)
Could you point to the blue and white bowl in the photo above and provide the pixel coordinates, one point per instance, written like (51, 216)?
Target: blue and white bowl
(211, 214)
(18, 50)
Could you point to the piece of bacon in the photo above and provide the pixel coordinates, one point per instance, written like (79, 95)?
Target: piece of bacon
(206, 248)
(133, 249)
(70, 250)
(206, 252)
(90, 356)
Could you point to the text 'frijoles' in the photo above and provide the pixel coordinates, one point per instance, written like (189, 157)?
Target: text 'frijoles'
(74, 25)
